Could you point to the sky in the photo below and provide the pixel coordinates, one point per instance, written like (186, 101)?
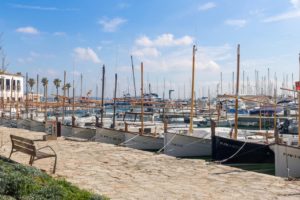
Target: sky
(80, 36)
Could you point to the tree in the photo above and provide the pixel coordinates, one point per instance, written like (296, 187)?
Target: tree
(57, 85)
(31, 83)
(67, 86)
(45, 85)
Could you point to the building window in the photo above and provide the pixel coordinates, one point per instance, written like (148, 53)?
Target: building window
(18, 85)
(14, 85)
(7, 84)
(2, 83)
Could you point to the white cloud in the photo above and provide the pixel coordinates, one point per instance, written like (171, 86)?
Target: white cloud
(218, 53)
(283, 16)
(207, 64)
(147, 51)
(25, 60)
(295, 3)
(86, 54)
(207, 6)
(43, 8)
(236, 22)
(33, 56)
(59, 34)
(293, 13)
(28, 30)
(164, 40)
(111, 25)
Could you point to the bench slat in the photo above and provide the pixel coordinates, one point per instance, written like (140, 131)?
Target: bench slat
(24, 145)
(24, 150)
(14, 137)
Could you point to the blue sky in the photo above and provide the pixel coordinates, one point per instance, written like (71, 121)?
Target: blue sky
(47, 37)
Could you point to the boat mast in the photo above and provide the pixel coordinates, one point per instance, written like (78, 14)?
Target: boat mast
(37, 92)
(102, 95)
(132, 67)
(26, 95)
(81, 77)
(221, 83)
(192, 97)
(73, 104)
(64, 98)
(46, 101)
(142, 99)
(299, 107)
(115, 96)
(237, 94)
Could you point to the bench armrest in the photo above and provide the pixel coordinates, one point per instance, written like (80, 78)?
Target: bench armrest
(49, 148)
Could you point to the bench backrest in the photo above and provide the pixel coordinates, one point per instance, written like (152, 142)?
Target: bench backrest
(23, 145)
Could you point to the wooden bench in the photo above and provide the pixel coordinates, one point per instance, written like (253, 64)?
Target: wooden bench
(27, 146)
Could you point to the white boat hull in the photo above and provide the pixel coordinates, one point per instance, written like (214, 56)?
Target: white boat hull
(143, 142)
(109, 136)
(180, 145)
(84, 133)
(287, 160)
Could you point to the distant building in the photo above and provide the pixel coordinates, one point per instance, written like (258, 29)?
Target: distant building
(11, 87)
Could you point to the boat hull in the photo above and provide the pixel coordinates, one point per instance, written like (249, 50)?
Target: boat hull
(143, 142)
(180, 145)
(109, 136)
(223, 150)
(287, 160)
(83, 133)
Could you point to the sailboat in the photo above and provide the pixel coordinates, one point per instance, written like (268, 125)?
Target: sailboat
(287, 151)
(243, 149)
(109, 135)
(141, 140)
(188, 143)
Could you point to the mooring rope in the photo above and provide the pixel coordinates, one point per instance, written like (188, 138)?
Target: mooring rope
(167, 143)
(233, 155)
(128, 140)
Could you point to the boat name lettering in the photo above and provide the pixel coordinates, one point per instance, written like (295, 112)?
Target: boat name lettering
(291, 155)
(229, 145)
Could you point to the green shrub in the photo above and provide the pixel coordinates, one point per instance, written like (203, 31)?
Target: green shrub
(27, 183)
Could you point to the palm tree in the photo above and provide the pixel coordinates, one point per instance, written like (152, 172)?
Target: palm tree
(57, 85)
(68, 86)
(45, 85)
(31, 83)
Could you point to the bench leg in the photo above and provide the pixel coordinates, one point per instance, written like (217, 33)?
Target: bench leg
(54, 167)
(31, 160)
(11, 152)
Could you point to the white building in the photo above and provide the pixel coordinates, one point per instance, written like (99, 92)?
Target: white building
(11, 87)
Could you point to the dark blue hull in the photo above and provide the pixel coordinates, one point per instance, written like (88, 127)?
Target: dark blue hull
(223, 149)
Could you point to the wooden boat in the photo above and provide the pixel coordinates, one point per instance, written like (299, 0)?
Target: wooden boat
(183, 145)
(109, 136)
(143, 142)
(79, 132)
(287, 160)
(227, 150)
(190, 143)
(234, 149)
